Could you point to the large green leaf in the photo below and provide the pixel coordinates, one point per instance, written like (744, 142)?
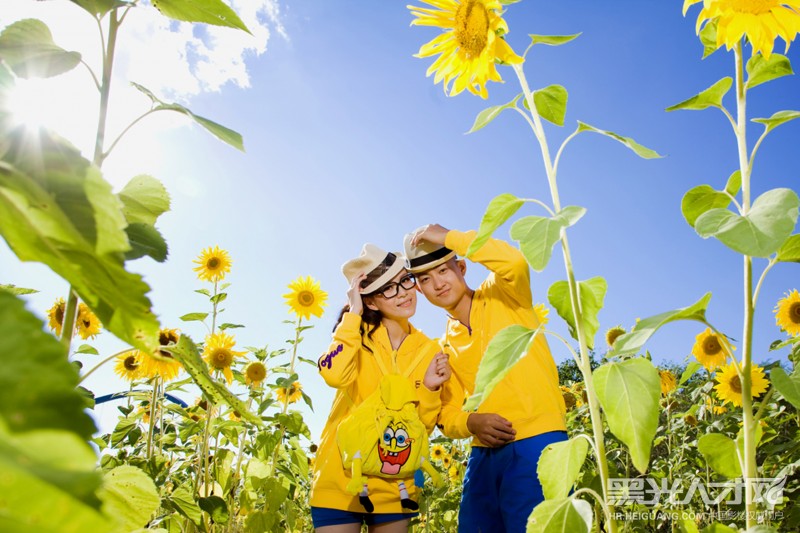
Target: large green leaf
(504, 350)
(787, 385)
(144, 199)
(559, 466)
(538, 235)
(690, 371)
(37, 382)
(146, 240)
(711, 97)
(551, 103)
(591, 293)
(700, 199)
(633, 341)
(216, 508)
(761, 231)
(182, 500)
(552, 40)
(720, 453)
(491, 113)
(222, 133)
(761, 70)
(638, 149)
(27, 47)
(629, 393)
(130, 496)
(789, 252)
(500, 209)
(215, 12)
(781, 117)
(186, 352)
(716, 527)
(568, 515)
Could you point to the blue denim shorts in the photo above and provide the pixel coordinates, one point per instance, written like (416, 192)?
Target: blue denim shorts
(322, 516)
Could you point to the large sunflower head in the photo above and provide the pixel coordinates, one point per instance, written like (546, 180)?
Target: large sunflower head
(787, 313)
(668, 381)
(437, 452)
(729, 386)
(761, 21)
(162, 364)
(306, 298)
(127, 366)
(470, 46)
(290, 394)
(254, 373)
(87, 322)
(213, 263)
(613, 334)
(219, 353)
(711, 349)
(55, 316)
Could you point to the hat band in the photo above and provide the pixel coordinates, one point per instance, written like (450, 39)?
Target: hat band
(429, 258)
(381, 271)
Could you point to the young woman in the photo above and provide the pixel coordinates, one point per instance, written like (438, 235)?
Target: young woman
(373, 334)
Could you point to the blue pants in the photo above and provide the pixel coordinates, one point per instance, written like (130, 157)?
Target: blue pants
(501, 487)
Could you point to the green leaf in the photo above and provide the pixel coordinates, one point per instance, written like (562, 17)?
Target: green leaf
(761, 70)
(629, 393)
(491, 113)
(720, 453)
(559, 466)
(507, 347)
(146, 240)
(734, 184)
(27, 47)
(568, 515)
(219, 297)
(500, 209)
(228, 325)
(638, 149)
(186, 352)
(716, 527)
(708, 36)
(87, 349)
(98, 8)
(633, 341)
(551, 103)
(216, 508)
(700, 199)
(779, 345)
(789, 252)
(690, 371)
(781, 117)
(222, 133)
(711, 97)
(130, 496)
(182, 499)
(124, 427)
(18, 291)
(787, 385)
(215, 12)
(144, 199)
(37, 391)
(191, 317)
(761, 232)
(538, 235)
(591, 292)
(553, 40)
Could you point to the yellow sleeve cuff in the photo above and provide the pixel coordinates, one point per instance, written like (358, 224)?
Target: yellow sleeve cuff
(459, 241)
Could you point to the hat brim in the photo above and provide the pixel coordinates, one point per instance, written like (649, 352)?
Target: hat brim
(398, 266)
(429, 265)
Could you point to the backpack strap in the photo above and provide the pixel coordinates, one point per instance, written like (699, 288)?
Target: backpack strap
(430, 347)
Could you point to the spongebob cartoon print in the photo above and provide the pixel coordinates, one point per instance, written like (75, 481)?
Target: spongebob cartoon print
(394, 448)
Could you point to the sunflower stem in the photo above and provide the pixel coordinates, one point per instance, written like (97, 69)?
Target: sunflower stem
(70, 313)
(214, 301)
(105, 89)
(585, 366)
(153, 411)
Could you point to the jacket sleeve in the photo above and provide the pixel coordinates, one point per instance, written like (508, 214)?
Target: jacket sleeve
(452, 419)
(430, 404)
(339, 367)
(510, 269)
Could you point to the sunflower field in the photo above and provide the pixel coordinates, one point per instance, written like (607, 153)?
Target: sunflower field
(709, 443)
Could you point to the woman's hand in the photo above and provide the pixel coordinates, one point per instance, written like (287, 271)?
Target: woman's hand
(354, 294)
(438, 372)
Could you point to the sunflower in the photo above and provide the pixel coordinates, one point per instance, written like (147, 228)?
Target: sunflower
(569, 397)
(729, 386)
(213, 264)
(88, 323)
(219, 353)
(255, 373)
(709, 349)
(437, 452)
(164, 365)
(668, 382)
(541, 313)
(469, 47)
(291, 394)
(447, 461)
(127, 366)
(712, 406)
(55, 316)
(306, 298)
(613, 334)
(787, 313)
(452, 473)
(761, 21)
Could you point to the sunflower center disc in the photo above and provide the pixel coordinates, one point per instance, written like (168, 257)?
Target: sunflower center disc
(472, 25)
(736, 385)
(212, 263)
(130, 363)
(794, 313)
(306, 298)
(712, 347)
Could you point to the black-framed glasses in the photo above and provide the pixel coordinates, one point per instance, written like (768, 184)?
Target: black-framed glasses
(391, 289)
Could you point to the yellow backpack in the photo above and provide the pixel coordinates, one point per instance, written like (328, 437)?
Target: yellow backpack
(384, 436)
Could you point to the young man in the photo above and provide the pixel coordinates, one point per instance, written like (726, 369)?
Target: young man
(526, 411)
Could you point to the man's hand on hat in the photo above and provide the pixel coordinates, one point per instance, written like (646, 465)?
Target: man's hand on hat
(354, 294)
(432, 233)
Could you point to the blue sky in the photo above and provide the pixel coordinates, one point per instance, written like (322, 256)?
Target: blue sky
(348, 142)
